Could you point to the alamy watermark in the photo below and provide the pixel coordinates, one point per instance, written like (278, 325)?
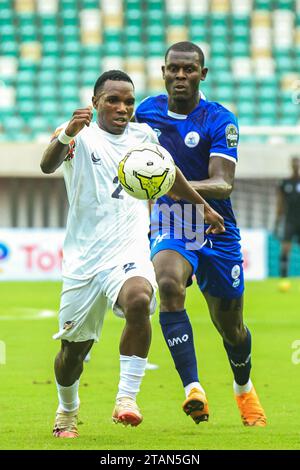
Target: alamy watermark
(296, 353)
(180, 222)
(2, 353)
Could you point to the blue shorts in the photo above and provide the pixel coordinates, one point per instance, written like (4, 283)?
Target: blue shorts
(218, 265)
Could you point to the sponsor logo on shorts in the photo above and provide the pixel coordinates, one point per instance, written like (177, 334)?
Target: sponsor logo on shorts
(232, 135)
(68, 325)
(128, 267)
(174, 341)
(192, 139)
(236, 271)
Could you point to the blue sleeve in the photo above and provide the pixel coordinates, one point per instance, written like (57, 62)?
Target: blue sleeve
(224, 135)
(141, 110)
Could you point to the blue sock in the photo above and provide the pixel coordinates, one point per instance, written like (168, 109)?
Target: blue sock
(240, 359)
(178, 333)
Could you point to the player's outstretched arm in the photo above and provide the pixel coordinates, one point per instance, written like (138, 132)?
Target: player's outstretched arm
(56, 151)
(219, 184)
(182, 189)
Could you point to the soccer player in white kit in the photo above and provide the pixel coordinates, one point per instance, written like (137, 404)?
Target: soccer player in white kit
(106, 256)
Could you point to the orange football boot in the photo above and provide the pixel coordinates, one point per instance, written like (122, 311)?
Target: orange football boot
(251, 411)
(196, 406)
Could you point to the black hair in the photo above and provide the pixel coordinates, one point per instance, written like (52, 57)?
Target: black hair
(115, 75)
(186, 46)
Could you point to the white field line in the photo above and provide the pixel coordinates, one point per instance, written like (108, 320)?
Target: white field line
(28, 314)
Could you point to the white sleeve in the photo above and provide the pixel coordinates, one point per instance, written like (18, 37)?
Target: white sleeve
(152, 135)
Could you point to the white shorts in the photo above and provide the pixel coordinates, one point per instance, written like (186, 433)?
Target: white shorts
(85, 302)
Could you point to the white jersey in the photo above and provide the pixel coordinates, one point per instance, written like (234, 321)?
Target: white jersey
(104, 223)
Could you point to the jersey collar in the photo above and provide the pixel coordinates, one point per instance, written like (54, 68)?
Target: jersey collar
(184, 116)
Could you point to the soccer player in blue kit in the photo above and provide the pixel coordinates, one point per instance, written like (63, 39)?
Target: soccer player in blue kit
(202, 137)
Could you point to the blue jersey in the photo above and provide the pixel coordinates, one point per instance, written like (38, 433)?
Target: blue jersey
(209, 130)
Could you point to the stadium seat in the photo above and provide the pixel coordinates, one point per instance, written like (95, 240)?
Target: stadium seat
(252, 49)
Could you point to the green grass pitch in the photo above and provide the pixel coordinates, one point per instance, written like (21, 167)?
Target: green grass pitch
(28, 397)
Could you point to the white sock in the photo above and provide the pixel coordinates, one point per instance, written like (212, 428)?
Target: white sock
(132, 370)
(68, 396)
(189, 387)
(239, 389)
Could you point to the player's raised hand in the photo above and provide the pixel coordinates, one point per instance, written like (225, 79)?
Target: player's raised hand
(215, 220)
(81, 117)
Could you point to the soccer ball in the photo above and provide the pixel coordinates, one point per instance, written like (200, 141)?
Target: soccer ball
(147, 171)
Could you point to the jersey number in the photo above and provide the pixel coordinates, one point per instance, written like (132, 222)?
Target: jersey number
(116, 194)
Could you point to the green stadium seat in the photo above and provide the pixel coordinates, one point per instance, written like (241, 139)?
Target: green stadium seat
(224, 94)
(27, 109)
(267, 109)
(155, 33)
(90, 63)
(9, 48)
(156, 48)
(263, 5)
(25, 92)
(47, 91)
(50, 48)
(68, 93)
(48, 108)
(135, 49)
(48, 63)
(246, 108)
(239, 48)
(8, 33)
(13, 124)
(40, 125)
(134, 17)
(88, 78)
(89, 4)
(218, 64)
(47, 76)
(265, 121)
(197, 36)
(26, 77)
(218, 48)
(132, 34)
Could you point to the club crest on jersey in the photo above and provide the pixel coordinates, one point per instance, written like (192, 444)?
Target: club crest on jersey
(192, 139)
(235, 272)
(232, 135)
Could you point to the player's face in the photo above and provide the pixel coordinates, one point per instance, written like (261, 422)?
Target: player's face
(182, 74)
(114, 104)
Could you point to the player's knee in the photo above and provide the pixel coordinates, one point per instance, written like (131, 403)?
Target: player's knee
(72, 358)
(170, 289)
(138, 307)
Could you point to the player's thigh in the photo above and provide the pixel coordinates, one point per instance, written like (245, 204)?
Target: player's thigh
(82, 309)
(133, 277)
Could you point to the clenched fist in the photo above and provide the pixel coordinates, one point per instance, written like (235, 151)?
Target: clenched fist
(80, 118)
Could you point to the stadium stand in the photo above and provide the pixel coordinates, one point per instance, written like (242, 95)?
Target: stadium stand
(51, 53)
